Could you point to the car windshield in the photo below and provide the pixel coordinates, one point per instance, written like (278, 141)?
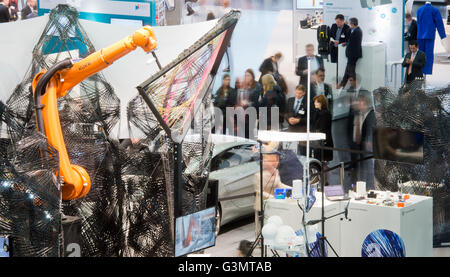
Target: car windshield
(232, 157)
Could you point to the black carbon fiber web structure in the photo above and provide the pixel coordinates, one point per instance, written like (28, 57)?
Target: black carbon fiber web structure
(426, 111)
(29, 191)
(129, 211)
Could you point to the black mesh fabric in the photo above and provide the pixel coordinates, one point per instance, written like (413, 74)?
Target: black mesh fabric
(130, 208)
(427, 111)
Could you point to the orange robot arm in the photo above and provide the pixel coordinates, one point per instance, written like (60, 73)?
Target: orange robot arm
(50, 85)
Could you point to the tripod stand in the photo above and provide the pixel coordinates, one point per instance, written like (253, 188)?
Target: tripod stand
(323, 239)
(261, 214)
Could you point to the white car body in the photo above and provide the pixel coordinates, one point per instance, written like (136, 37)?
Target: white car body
(236, 175)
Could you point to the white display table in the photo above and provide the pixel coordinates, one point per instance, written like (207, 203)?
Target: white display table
(370, 69)
(289, 211)
(413, 223)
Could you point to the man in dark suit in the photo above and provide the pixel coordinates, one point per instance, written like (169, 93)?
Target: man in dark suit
(302, 66)
(319, 87)
(353, 51)
(297, 112)
(411, 32)
(414, 62)
(339, 35)
(361, 123)
(4, 11)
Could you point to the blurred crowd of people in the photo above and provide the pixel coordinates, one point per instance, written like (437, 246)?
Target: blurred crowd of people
(9, 10)
(264, 98)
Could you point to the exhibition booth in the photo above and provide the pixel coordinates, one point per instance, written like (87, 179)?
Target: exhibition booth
(382, 22)
(109, 143)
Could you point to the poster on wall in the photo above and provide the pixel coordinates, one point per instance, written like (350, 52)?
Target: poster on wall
(309, 4)
(380, 21)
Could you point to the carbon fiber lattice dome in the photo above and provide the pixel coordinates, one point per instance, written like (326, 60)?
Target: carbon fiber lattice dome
(130, 208)
(427, 111)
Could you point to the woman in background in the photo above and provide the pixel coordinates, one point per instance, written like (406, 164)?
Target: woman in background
(248, 96)
(269, 100)
(225, 97)
(321, 123)
(253, 87)
(272, 98)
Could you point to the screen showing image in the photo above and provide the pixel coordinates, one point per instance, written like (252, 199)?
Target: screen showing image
(195, 232)
(309, 4)
(398, 145)
(4, 247)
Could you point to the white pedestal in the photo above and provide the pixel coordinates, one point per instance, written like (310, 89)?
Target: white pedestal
(370, 69)
(413, 223)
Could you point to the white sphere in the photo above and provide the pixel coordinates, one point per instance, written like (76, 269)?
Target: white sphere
(285, 236)
(275, 220)
(269, 232)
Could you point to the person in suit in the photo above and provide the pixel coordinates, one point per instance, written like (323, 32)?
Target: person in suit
(362, 121)
(339, 36)
(297, 110)
(225, 97)
(302, 65)
(353, 51)
(270, 66)
(4, 11)
(321, 123)
(319, 87)
(296, 114)
(411, 30)
(414, 62)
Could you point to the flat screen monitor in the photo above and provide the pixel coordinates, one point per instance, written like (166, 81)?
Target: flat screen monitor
(309, 4)
(195, 232)
(398, 145)
(5, 247)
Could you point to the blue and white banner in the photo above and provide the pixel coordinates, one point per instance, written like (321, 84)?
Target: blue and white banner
(106, 11)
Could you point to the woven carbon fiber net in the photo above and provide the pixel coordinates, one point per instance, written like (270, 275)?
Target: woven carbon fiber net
(129, 211)
(423, 111)
(29, 191)
(175, 106)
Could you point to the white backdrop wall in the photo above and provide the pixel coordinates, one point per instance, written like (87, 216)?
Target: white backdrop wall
(380, 20)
